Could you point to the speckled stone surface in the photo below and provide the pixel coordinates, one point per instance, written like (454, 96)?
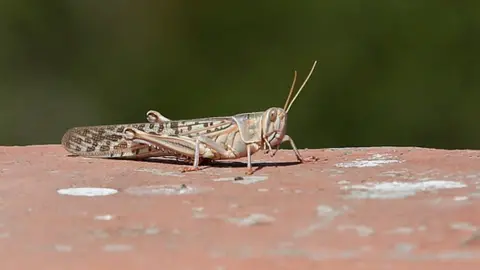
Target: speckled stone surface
(368, 208)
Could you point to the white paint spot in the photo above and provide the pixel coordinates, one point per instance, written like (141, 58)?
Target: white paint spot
(100, 234)
(394, 190)
(198, 209)
(401, 230)
(104, 217)
(475, 194)
(87, 191)
(198, 212)
(117, 248)
(245, 180)
(334, 172)
(138, 230)
(253, 219)
(365, 163)
(165, 190)
(378, 156)
(460, 198)
(394, 173)
(63, 248)
(361, 230)
(160, 172)
(406, 230)
(343, 182)
(463, 226)
(425, 185)
(326, 214)
(325, 210)
(373, 161)
(152, 231)
(404, 248)
(422, 228)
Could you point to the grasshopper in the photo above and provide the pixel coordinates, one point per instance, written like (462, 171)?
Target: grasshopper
(196, 140)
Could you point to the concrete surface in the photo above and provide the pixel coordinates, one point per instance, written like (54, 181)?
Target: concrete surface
(361, 208)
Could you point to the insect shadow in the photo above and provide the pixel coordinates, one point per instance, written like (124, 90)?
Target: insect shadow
(223, 164)
(207, 162)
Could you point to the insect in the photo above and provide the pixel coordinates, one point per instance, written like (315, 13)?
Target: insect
(195, 140)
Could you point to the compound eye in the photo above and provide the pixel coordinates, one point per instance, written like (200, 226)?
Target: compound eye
(273, 116)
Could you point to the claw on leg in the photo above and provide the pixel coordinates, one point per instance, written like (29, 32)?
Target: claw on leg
(275, 152)
(196, 159)
(266, 147)
(190, 169)
(297, 153)
(309, 159)
(249, 170)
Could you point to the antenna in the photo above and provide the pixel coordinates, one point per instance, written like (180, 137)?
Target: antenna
(291, 90)
(301, 87)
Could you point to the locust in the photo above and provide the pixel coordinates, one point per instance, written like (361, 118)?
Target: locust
(194, 140)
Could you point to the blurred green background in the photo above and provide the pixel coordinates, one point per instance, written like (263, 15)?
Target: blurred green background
(395, 72)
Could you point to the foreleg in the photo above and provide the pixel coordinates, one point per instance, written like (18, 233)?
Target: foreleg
(295, 150)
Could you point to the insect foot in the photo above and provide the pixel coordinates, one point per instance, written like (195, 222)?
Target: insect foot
(190, 169)
(249, 171)
(309, 159)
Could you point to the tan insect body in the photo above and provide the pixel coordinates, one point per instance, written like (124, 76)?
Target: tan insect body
(211, 138)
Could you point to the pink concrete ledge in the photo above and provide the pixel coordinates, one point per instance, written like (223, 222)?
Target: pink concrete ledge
(367, 208)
